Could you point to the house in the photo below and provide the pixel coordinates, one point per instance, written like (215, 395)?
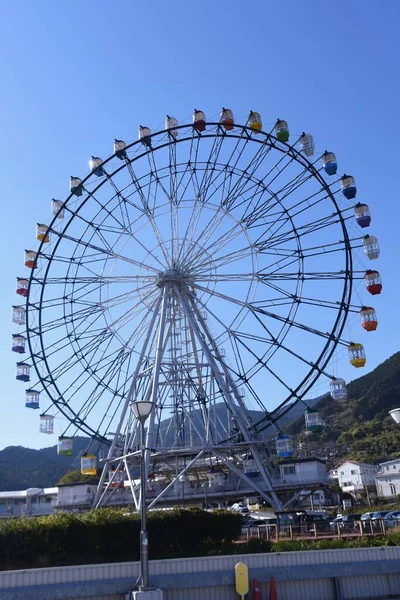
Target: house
(388, 479)
(300, 471)
(356, 477)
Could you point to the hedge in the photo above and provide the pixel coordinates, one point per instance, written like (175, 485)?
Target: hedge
(110, 535)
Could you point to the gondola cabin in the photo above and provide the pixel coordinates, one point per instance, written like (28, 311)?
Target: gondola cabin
(42, 233)
(313, 420)
(23, 372)
(18, 343)
(95, 166)
(75, 186)
(227, 119)
(307, 144)
(46, 424)
(57, 209)
(199, 120)
(329, 163)
(368, 318)
(362, 215)
(22, 286)
(144, 135)
(281, 130)
(216, 477)
(254, 121)
(284, 448)
(30, 259)
(250, 467)
(348, 187)
(18, 315)
(373, 282)
(357, 355)
(32, 398)
(371, 247)
(338, 389)
(65, 446)
(117, 478)
(171, 125)
(119, 149)
(395, 414)
(89, 464)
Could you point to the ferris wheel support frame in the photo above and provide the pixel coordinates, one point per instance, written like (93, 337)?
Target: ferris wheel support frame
(186, 301)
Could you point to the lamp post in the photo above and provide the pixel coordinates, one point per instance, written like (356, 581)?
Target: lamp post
(142, 410)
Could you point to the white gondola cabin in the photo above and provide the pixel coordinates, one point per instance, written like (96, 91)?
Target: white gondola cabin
(250, 467)
(18, 315)
(75, 186)
(254, 121)
(307, 144)
(95, 166)
(144, 135)
(46, 424)
(21, 287)
(23, 371)
(18, 343)
(313, 420)
(30, 259)
(65, 446)
(57, 209)
(42, 233)
(89, 464)
(338, 389)
(32, 398)
(119, 149)
(371, 247)
(216, 477)
(227, 120)
(284, 448)
(171, 125)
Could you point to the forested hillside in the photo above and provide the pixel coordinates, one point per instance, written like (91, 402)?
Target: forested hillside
(361, 428)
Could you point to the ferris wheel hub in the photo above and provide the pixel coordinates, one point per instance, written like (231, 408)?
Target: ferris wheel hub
(175, 277)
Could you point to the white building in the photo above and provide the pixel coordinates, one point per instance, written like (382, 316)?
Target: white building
(300, 471)
(33, 502)
(388, 479)
(353, 477)
(75, 495)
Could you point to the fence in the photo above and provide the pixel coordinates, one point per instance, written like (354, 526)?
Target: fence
(348, 574)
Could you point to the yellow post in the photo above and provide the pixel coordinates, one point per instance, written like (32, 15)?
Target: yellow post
(241, 579)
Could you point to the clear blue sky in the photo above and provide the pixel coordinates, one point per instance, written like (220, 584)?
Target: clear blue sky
(75, 75)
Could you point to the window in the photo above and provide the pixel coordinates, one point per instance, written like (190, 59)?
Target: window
(353, 472)
(289, 470)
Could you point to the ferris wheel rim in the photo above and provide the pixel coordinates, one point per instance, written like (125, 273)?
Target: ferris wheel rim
(325, 355)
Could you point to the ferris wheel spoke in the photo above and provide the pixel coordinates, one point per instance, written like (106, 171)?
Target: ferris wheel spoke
(109, 252)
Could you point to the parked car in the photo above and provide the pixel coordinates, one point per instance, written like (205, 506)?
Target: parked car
(367, 516)
(392, 519)
(252, 526)
(239, 507)
(380, 514)
(346, 522)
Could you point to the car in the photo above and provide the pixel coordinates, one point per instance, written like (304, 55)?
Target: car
(252, 526)
(392, 519)
(241, 508)
(367, 516)
(346, 522)
(380, 514)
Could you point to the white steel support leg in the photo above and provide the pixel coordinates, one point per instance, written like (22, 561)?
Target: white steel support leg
(99, 491)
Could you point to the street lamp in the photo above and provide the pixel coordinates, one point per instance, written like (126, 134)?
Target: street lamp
(142, 410)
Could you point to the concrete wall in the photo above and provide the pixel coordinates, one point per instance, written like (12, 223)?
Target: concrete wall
(314, 575)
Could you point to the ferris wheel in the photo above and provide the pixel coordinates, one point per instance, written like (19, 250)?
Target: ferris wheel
(208, 267)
